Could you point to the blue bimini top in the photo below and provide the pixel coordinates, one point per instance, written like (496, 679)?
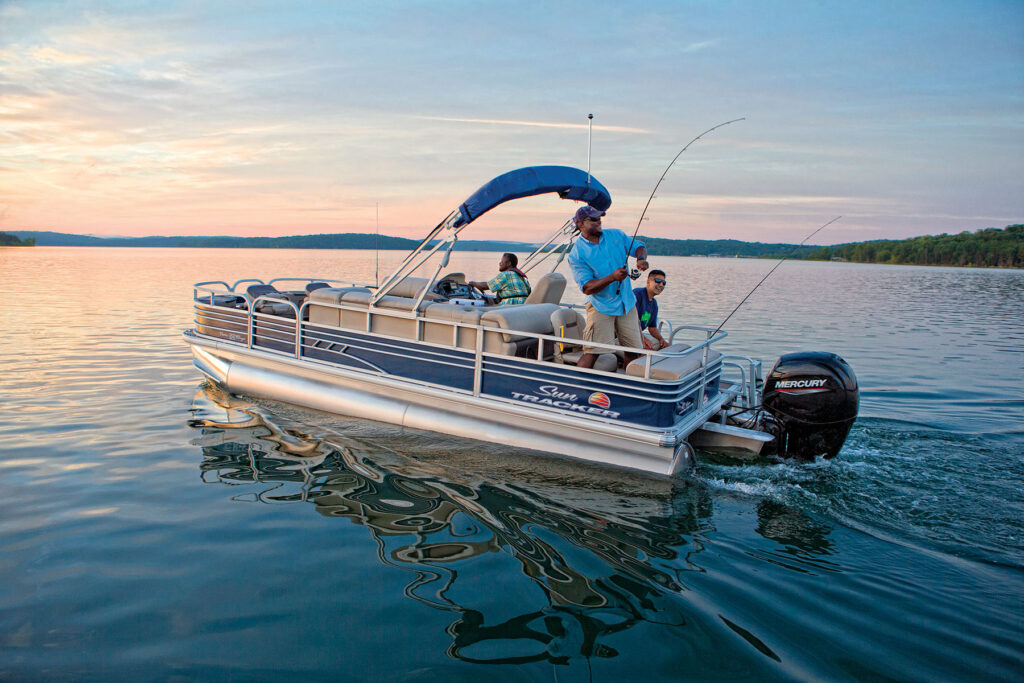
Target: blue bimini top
(590, 261)
(568, 182)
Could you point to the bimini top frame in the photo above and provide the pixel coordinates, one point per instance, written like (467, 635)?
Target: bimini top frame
(567, 182)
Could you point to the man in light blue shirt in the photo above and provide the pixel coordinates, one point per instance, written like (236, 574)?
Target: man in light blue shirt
(598, 262)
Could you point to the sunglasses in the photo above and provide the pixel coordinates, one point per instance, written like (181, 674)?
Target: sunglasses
(658, 281)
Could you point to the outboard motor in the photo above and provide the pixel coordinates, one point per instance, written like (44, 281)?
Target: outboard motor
(814, 398)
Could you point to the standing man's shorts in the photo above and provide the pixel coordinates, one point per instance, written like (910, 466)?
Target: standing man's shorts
(605, 329)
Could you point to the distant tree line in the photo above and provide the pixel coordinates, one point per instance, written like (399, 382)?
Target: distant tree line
(725, 248)
(991, 247)
(13, 241)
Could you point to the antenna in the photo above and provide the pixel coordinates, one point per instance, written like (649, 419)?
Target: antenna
(590, 139)
(376, 264)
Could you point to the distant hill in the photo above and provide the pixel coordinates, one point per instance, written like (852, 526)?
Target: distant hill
(656, 246)
(990, 247)
(329, 241)
(14, 241)
(726, 248)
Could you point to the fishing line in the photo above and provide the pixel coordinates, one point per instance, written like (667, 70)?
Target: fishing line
(658, 184)
(634, 274)
(791, 252)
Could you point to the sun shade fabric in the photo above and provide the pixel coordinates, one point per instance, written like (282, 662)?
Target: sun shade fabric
(568, 182)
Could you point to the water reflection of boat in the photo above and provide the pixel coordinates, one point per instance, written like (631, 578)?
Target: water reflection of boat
(424, 352)
(435, 524)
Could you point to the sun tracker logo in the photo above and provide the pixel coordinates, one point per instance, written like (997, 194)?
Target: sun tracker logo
(551, 395)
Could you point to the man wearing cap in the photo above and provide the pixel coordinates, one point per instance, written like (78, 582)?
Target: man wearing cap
(598, 262)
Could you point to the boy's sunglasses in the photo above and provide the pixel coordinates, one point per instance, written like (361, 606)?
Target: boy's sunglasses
(659, 281)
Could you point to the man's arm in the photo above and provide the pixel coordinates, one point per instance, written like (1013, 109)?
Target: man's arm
(596, 285)
(641, 258)
(653, 331)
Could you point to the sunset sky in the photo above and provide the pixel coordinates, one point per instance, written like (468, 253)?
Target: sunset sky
(262, 118)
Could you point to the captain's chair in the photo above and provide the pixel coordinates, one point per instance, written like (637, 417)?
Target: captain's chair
(569, 325)
(548, 290)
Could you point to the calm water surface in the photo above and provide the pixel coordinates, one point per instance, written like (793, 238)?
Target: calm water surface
(152, 527)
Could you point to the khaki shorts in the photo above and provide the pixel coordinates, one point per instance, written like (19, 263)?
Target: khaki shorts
(605, 329)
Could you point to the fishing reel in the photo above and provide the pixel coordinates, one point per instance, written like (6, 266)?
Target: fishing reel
(633, 273)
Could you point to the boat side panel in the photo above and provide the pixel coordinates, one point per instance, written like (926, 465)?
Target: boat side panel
(561, 387)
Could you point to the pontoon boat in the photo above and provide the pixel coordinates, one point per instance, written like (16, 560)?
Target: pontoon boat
(430, 353)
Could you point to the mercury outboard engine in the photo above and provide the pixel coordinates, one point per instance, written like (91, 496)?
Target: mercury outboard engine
(814, 398)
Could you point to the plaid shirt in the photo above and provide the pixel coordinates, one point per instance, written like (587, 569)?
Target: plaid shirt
(510, 287)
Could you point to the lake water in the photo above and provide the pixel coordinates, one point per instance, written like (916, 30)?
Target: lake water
(153, 528)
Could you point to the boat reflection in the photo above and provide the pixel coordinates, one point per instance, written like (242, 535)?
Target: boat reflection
(606, 554)
(436, 525)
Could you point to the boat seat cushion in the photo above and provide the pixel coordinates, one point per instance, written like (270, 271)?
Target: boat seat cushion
(394, 303)
(524, 317)
(548, 290)
(570, 323)
(327, 314)
(333, 295)
(411, 287)
(671, 367)
(468, 315)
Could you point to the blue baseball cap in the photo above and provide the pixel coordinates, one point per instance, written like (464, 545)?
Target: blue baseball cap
(587, 212)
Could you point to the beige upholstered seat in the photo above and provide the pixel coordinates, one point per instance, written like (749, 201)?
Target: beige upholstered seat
(448, 334)
(547, 290)
(671, 367)
(524, 317)
(326, 315)
(411, 287)
(569, 323)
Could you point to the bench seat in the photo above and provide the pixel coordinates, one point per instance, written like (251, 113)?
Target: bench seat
(671, 367)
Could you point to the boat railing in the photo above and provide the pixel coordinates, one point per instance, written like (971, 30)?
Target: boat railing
(294, 335)
(749, 380)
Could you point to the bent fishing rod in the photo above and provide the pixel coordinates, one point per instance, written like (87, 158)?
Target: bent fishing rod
(658, 184)
(791, 252)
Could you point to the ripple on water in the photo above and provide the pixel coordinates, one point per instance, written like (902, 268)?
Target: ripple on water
(953, 491)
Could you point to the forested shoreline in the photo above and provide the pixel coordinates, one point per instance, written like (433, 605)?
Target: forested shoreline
(14, 241)
(987, 248)
(991, 247)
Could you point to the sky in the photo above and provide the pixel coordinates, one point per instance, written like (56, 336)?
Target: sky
(293, 118)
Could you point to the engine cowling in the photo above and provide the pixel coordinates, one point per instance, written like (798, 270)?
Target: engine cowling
(813, 398)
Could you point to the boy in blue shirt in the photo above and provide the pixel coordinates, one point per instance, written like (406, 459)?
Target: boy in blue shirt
(647, 309)
(598, 262)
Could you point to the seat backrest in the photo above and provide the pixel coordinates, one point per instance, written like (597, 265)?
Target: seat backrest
(411, 287)
(548, 290)
(565, 322)
(524, 318)
(312, 286)
(260, 290)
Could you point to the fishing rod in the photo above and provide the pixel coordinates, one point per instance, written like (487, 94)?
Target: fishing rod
(658, 184)
(791, 252)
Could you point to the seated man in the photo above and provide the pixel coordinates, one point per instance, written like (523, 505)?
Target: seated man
(647, 310)
(510, 285)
